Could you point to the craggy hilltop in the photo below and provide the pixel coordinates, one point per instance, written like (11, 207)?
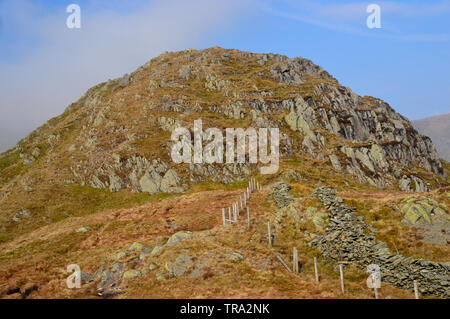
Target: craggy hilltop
(96, 186)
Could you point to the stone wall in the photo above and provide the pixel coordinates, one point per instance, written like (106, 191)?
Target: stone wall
(348, 238)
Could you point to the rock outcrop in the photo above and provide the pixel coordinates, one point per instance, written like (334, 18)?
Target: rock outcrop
(430, 216)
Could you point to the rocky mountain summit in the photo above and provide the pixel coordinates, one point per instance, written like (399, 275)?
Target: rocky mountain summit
(111, 135)
(109, 155)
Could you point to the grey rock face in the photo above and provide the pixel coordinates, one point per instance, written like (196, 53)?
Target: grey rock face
(29, 160)
(348, 238)
(335, 162)
(87, 278)
(168, 124)
(412, 184)
(125, 80)
(142, 176)
(382, 138)
(185, 72)
(292, 71)
(180, 267)
(110, 279)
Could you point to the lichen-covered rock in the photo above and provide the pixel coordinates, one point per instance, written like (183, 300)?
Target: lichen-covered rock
(431, 217)
(145, 253)
(110, 279)
(178, 237)
(130, 274)
(160, 276)
(234, 256)
(180, 266)
(168, 124)
(157, 250)
(422, 211)
(119, 255)
(185, 72)
(320, 219)
(170, 181)
(136, 247)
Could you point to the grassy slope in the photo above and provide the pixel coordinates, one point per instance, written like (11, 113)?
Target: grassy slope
(41, 256)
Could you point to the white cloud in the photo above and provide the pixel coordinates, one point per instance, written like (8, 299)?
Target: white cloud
(50, 76)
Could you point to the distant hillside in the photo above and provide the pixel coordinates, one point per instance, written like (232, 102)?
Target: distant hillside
(438, 129)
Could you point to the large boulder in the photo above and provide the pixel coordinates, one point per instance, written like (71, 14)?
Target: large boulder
(180, 266)
(178, 237)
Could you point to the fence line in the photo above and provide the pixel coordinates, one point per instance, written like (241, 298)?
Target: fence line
(243, 202)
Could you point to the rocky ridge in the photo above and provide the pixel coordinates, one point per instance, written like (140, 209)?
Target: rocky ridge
(360, 136)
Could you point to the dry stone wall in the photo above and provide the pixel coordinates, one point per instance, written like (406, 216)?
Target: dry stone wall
(348, 238)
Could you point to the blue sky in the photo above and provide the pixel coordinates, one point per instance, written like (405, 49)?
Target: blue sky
(45, 66)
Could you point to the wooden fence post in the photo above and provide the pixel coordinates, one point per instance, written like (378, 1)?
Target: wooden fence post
(295, 261)
(416, 290)
(248, 217)
(268, 233)
(316, 270)
(223, 216)
(240, 199)
(229, 213)
(341, 271)
(245, 200)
